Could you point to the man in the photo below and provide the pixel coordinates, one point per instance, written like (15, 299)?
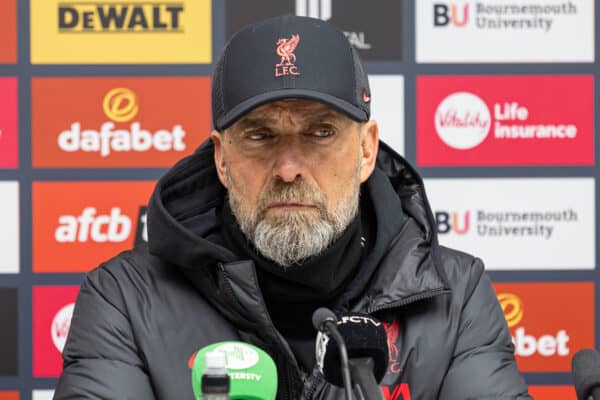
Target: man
(293, 205)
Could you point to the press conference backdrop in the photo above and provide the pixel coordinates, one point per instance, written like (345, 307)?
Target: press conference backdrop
(492, 100)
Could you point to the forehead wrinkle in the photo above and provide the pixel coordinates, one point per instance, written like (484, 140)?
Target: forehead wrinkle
(292, 112)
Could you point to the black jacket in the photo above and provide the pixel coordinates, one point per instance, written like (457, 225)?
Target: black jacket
(141, 315)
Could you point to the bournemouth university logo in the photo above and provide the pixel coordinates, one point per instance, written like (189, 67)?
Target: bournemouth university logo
(520, 224)
(285, 50)
(118, 122)
(548, 322)
(454, 14)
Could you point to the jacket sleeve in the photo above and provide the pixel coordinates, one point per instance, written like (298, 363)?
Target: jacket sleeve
(100, 358)
(483, 364)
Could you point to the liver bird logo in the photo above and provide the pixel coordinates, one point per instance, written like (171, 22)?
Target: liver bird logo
(285, 50)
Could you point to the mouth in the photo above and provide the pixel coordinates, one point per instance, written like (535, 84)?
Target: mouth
(289, 205)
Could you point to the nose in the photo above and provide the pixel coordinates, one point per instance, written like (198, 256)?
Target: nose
(289, 163)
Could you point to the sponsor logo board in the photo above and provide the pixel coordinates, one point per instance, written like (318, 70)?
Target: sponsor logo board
(547, 336)
(9, 361)
(387, 108)
(42, 394)
(8, 31)
(505, 120)
(8, 123)
(374, 31)
(461, 31)
(525, 223)
(118, 122)
(553, 392)
(9, 230)
(78, 225)
(52, 312)
(121, 32)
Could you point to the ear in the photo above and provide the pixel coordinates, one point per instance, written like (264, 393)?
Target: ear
(369, 143)
(217, 138)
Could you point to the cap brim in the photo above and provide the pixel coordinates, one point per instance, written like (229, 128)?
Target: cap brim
(244, 107)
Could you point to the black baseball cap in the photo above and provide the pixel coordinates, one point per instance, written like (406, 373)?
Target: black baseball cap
(288, 57)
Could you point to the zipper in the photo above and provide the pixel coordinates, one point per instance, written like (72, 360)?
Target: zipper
(288, 360)
(409, 300)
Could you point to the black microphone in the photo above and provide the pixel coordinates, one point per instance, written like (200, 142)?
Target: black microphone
(586, 374)
(367, 346)
(325, 321)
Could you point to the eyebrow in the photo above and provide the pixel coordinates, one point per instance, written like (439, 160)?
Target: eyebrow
(260, 122)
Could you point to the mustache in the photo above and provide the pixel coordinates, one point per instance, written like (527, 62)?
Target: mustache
(295, 192)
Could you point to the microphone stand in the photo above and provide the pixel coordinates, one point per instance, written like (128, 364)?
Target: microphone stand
(335, 334)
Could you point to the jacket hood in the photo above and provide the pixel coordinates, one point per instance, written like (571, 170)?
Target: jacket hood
(183, 228)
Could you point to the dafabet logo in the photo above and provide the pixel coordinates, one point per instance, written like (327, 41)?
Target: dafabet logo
(114, 31)
(505, 120)
(8, 123)
(548, 322)
(52, 312)
(118, 122)
(8, 31)
(78, 225)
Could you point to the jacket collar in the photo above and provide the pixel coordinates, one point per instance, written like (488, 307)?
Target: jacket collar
(183, 230)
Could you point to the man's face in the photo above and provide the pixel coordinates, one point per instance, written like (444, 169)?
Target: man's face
(293, 170)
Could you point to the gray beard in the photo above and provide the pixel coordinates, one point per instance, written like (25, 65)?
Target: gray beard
(289, 238)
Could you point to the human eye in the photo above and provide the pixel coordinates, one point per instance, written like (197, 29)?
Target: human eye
(322, 132)
(257, 136)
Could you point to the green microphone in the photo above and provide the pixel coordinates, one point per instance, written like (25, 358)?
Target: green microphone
(252, 372)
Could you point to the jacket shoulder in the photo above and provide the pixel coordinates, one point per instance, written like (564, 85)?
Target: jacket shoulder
(460, 267)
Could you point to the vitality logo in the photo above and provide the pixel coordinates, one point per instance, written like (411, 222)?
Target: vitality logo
(52, 312)
(494, 120)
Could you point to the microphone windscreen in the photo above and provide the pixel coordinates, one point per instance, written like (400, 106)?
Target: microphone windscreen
(321, 315)
(252, 372)
(364, 336)
(586, 372)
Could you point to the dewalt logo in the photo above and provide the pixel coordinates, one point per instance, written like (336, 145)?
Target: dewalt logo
(121, 31)
(81, 17)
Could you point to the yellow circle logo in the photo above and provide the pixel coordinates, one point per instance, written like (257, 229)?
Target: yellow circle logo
(512, 308)
(120, 105)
